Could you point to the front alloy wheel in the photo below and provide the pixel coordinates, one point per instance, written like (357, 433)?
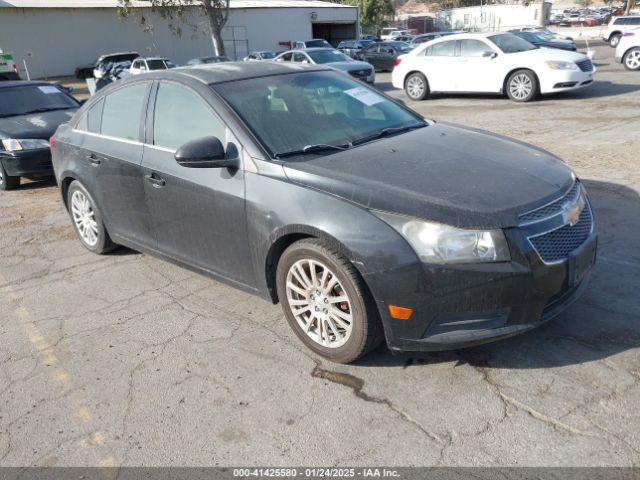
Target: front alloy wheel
(522, 86)
(614, 40)
(632, 59)
(326, 303)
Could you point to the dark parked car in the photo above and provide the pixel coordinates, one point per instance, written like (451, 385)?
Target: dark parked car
(427, 37)
(540, 39)
(30, 112)
(382, 55)
(304, 186)
(205, 60)
(351, 47)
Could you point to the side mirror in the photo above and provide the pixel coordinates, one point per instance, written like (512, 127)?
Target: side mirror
(305, 61)
(207, 152)
(489, 54)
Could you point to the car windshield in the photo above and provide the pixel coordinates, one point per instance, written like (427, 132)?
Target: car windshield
(21, 100)
(510, 43)
(156, 64)
(316, 43)
(328, 56)
(268, 55)
(291, 113)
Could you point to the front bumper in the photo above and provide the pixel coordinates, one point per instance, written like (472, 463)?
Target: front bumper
(564, 80)
(27, 163)
(457, 306)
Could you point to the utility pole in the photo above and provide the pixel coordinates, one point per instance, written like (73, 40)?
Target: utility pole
(542, 14)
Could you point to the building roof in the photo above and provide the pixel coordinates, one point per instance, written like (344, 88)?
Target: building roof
(239, 4)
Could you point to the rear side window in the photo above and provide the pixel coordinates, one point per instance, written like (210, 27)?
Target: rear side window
(443, 49)
(180, 116)
(122, 112)
(94, 117)
(633, 21)
(620, 21)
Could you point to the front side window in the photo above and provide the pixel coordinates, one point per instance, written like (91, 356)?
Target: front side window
(286, 57)
(122, 112)
(633, 21)
(299, 57)
(473, 48)
(290, 112)
(156, 65)
(180, 116)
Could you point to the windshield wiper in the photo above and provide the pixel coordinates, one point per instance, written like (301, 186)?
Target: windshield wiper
(385, 132)
(44, 109)
(320, 147)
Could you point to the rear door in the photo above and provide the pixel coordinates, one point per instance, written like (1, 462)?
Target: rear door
(198, 213)
(440, 66)
(111, 153)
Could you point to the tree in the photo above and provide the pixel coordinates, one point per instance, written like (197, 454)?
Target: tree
(178, 12)
(373, 13)
(584, 3)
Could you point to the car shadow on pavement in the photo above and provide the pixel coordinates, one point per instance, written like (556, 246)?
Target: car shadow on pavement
(37, 184)
(604, 322)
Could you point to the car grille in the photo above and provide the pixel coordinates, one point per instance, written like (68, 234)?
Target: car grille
(558, 244)
(553, 208)
(360, 73)
(585, 65)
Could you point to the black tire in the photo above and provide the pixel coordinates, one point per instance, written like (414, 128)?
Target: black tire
(366, 329)
(633, 53)
(7, 182)
(103, 243)
(416, 86)
(529, 82)
(614, 40)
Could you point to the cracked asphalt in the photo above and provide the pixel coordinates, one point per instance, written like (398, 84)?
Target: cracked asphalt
(127, 360)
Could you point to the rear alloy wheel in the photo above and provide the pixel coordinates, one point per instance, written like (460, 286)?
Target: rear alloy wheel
(631, 59)
(87, 220)
(326, 303)
(522, 86)
(416, 86)
(614, 40)
(7, 182)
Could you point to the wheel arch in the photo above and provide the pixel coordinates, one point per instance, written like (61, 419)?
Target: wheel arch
(410, 72)
(286, 237)
(66, 181)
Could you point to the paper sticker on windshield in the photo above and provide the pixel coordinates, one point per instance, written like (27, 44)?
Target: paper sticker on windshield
(364, 95)
(48, 89)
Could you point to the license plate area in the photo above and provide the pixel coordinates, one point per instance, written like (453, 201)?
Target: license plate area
(581, 261)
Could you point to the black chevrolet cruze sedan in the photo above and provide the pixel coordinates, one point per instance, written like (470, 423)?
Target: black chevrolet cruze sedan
(307, 187)
(30, 112)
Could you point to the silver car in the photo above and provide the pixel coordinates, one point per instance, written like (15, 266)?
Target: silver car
(332, 58)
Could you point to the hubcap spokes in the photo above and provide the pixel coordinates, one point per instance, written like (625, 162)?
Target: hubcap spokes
(633, 60)
(84, 218)
(319, 303)
(415, 87)
(521, 86)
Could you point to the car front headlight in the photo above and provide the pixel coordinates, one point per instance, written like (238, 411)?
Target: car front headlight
(441, 244)
(16, 145)
(558, 65)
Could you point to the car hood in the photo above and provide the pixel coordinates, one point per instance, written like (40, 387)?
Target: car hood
(559, 45)
(552, 54)
(444, 173)
(348, 66)
(37, 125)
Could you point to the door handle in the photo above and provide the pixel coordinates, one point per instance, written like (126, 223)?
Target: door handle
(156, 181)
(94, 159)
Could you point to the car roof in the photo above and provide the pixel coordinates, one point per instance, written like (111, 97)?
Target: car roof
(311, 49)
(229, 71)
(118, 54)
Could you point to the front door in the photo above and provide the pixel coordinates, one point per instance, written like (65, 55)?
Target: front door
(477, 65)
(198, 213)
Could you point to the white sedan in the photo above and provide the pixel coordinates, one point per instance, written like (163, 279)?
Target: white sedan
(490, 63)
(628, 50)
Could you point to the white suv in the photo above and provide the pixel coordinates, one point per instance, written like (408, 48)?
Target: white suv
(617, 26)
(628, 50)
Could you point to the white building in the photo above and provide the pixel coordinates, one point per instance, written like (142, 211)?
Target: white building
(55, 36)
(494, 17)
